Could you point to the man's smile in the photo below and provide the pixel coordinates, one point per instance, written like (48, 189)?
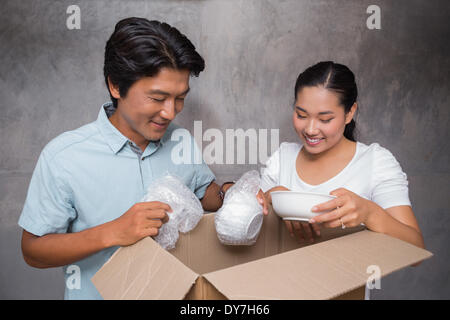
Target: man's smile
(159, 124)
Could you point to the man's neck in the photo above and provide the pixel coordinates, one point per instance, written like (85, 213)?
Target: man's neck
(133, 136)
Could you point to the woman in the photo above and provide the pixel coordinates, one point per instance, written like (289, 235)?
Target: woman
(368, 182)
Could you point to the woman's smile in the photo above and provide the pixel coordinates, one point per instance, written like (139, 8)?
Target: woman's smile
(312, 141)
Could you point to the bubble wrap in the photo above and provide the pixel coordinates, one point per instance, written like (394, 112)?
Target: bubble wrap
(240, 218)
(186, 208)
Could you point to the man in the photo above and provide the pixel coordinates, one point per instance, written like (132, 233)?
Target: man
(84, 196)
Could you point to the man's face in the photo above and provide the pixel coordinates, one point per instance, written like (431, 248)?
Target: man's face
(150, 104)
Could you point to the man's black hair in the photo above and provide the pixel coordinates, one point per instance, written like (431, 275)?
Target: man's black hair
(140, 48)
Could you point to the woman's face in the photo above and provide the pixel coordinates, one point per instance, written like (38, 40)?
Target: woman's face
(319, 118)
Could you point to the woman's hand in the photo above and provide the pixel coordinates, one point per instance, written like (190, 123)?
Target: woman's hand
(348, 210)
(303, 230)
(262, 199)
(265, 199)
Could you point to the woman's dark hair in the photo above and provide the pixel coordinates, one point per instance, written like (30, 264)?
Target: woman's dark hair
(140, 48)
(335, 77)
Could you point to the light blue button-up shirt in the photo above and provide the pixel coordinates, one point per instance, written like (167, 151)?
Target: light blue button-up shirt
(92, 175)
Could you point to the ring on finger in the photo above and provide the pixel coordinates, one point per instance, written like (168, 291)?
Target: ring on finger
(340, 220)
(342, 224)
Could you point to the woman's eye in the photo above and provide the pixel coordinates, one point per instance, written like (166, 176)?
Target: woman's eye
(327, 120)
(300, 116)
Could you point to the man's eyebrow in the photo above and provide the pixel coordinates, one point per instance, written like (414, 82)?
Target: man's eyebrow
(320, 113)
(156, 91)
(185, 91)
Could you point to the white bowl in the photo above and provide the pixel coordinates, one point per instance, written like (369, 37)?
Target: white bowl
(293, 205)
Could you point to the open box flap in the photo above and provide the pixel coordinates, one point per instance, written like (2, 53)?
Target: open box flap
(202, 252)
(321, 271)
(143, 271)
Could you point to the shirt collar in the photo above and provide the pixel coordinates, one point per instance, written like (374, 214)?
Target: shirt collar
(113, 137)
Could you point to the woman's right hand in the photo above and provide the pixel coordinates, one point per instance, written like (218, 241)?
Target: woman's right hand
(277, 188)
(304, 231)
(265, 199)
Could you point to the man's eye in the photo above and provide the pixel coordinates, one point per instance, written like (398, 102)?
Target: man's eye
(157, 100)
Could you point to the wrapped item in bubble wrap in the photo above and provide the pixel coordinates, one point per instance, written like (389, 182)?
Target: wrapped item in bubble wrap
(186, 208)
(240, 218)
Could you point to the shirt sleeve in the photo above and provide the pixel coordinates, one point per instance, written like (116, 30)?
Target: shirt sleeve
(47, 207)
(204, 177)
(390, 182)
(203, 174)
(270, 174)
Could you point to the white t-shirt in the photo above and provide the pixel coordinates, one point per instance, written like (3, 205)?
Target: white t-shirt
(373, 174)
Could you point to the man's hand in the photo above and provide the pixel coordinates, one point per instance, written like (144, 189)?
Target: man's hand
(59, 249)
(141, 220)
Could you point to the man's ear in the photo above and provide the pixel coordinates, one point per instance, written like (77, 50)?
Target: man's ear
(113, 89)
(351, 113)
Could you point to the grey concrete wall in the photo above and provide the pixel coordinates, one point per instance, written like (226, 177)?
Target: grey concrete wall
(51, 81)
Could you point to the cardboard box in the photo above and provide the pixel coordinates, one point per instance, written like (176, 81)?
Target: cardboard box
(276, 267)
